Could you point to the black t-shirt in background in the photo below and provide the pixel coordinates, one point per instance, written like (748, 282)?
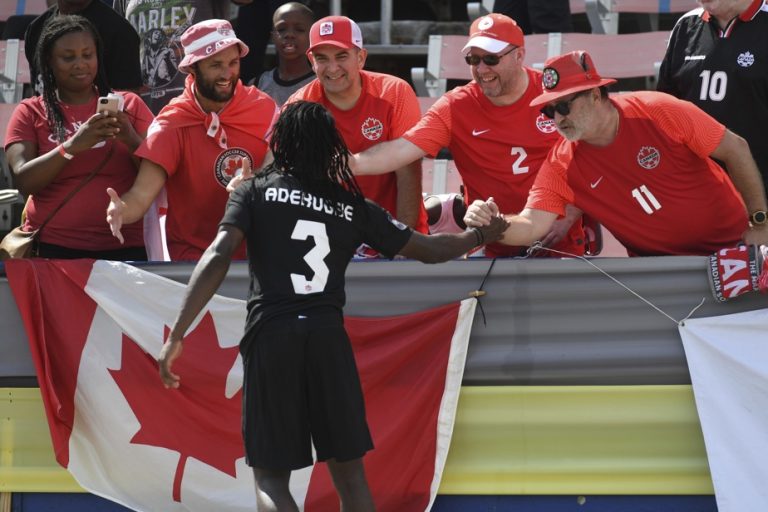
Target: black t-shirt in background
(121, 45)
(725, 73)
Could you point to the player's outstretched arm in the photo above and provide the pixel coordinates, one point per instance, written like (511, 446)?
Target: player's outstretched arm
(206, 278)
(445, 246)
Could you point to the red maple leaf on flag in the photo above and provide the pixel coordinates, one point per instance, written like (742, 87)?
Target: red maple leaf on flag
(197, 419)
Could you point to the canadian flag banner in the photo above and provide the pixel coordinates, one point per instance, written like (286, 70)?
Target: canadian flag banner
(95, 329)
(728, 362)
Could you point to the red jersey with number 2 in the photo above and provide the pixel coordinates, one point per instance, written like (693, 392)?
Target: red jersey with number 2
(497, 149)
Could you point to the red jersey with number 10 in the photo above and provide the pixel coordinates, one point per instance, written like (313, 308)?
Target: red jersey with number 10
(654, 187)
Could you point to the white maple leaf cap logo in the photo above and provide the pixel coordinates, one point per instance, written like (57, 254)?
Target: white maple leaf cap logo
(485, 23)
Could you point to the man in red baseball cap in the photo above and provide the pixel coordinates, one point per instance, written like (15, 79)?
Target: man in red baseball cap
(369, 108)
(203, 138)
(494, 158)
(643, 164)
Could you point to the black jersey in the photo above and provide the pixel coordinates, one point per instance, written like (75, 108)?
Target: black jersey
(724, 72)
(299, 244)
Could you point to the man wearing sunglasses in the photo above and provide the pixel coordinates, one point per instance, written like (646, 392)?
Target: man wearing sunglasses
(643, 164)
(497, 141)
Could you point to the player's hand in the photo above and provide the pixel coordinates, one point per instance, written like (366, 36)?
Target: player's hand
(495, 229)
(168, 354)
(115, 214)
(480, 213)
(246, 172)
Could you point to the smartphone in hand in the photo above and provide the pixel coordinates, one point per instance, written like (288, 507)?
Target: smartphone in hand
(110, 103)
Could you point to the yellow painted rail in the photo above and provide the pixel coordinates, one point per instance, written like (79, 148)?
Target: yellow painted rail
(534, 440)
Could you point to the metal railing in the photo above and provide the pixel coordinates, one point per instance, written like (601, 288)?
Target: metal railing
(386, 19)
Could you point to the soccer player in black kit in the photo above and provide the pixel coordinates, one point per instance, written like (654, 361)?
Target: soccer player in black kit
(302, 218)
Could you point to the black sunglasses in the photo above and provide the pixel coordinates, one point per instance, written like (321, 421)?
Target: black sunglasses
(563, 107)
(488, 59)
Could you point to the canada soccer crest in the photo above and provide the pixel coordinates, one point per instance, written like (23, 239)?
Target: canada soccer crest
(326, 28)
(228, 164)
(545, 124)
(745, 59)
(372, 129)
(648, 157)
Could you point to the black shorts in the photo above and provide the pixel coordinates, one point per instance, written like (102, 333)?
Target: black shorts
(301, 387)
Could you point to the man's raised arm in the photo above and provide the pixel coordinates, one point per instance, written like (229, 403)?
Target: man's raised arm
(385, 157)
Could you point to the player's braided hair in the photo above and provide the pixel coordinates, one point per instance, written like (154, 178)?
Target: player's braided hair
(55, 28)
(306, 144)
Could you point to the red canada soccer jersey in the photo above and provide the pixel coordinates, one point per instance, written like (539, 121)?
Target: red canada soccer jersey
(654, 187)
(387, 107)
(199, 171)
(497, 150)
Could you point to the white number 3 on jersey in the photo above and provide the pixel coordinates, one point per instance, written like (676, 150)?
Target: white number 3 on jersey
(314, 258)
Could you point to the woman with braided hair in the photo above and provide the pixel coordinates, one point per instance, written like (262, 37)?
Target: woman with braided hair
(54, 142)
(302, 218)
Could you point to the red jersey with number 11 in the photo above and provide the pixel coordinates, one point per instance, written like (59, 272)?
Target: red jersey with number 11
(654, 187)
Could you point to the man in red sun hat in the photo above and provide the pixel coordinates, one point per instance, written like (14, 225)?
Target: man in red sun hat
(216, 129)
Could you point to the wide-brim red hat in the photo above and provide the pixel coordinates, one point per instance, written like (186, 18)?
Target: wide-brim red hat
(568, 74)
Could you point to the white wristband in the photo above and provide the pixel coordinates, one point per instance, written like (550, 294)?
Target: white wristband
(63, 152)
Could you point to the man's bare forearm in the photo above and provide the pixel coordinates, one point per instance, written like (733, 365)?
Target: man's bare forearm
(385, 157)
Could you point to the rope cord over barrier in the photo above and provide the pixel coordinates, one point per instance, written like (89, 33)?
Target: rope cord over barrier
(480, 292)
(537, 247)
